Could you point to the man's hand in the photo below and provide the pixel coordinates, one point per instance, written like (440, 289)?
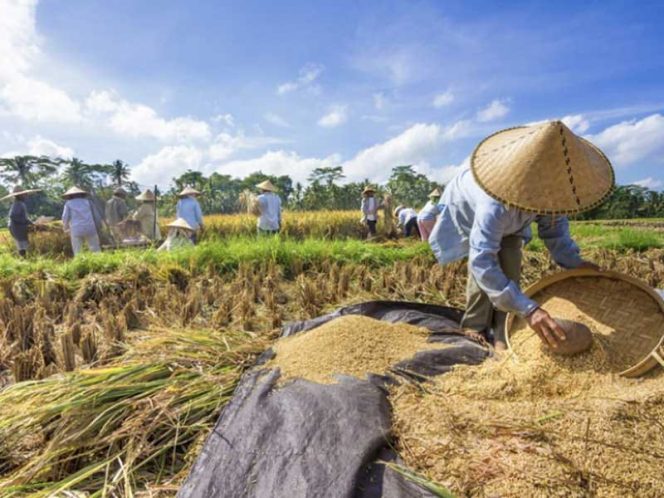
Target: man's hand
(546, 328)
(588, 265)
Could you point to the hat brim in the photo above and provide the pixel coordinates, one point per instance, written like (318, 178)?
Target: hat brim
(23, 192)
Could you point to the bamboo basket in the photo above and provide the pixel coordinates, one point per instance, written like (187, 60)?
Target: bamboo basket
(630, 309)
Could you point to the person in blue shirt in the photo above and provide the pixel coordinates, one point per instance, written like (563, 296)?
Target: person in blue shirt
(190, 211)
(269, 205)
(524, 175)
(426, 218)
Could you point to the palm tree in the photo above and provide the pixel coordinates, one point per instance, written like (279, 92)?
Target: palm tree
(27, 170)
(119, 172)
(78, 173)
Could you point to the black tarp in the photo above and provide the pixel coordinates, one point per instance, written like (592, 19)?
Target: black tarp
(304, 439)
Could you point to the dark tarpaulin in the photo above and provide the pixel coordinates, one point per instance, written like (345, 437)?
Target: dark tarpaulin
(304, 439)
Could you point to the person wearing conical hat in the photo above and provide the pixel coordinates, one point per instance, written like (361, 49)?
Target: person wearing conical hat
(426, 218)
(19, 223)
(269, 205)
(369, 207)
(80, 219)
(179, 235)
(189, 209)
(519, 176)
(146, 215)
(116, 212)
(407, 220)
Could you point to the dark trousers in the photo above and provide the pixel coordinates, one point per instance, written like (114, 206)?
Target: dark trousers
(410, 228)
(371, 225)
(267, 232)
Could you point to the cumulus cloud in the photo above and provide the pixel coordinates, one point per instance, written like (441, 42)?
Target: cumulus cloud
(226, 144)
(18, 37)
(39, 146)
(650, 183)
(443, 99)
(337, 115)
(169, 162)
(577, 123)
(224, 119)
(276, 120)
(629, 142)
(495, 110)
(306, 79)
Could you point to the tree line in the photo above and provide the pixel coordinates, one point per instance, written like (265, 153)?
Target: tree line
(325, 188)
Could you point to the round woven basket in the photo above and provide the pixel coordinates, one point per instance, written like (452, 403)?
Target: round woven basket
(625, 314)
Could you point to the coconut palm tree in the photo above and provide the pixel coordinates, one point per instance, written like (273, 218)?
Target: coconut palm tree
(27, 170)
(78, 173)
(119, 172)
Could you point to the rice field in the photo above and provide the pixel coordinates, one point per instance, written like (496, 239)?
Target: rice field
(114, 366)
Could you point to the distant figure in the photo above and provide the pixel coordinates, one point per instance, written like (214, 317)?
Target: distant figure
(369, 207)
(146, 214)
(179, 235)
(80, 219)
(407, 220)
(269, 204)
(190, 211)
(426, 218)
(116, 213)
(19, 223)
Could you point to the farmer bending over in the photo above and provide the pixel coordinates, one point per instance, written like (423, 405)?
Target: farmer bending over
(516, 177)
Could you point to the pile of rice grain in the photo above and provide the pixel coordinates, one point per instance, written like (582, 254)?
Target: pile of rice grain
(350, 345)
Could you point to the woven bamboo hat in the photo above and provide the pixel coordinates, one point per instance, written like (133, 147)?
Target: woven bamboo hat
(180, 223)
(188, 191)
(266, 185)
(74, 191)
(625, 315)
(544, 168)
(146, 195)
(16, 191)
(435, 193)
(398, 209)
(368, 189)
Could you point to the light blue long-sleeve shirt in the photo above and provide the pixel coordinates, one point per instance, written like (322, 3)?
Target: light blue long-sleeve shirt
(78, 216)
(270, 206)
(189, 210)
(473, 224)
(429, 211)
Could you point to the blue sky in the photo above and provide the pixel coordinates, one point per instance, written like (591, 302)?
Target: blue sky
(289, 86)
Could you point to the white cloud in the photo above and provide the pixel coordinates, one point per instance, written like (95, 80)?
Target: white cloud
(443, 99)
(225, 119)
(276, 120)
(39, 146)
(225, 144)
(336, 116)
(379, 101)
(169, 162)
(650, 183)
(18, 37)
(35, 100)
(631, 141)
(577, 123)
(138, 120)
(495, 110)
(306, 79)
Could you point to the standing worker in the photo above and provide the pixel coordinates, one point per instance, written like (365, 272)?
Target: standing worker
(518, 176)
(19, 223)
(146, 215)
(116, 213)
(80, 219)
(369, 209)
(269, 205)
(407, 220)
(190, 211)
(426, 218)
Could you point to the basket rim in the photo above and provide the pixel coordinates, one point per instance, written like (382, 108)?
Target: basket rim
(643, 365)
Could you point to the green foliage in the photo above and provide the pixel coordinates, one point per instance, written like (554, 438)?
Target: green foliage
(408, 187)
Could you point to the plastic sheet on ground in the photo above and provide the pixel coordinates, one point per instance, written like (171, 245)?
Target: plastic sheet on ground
(305, 439)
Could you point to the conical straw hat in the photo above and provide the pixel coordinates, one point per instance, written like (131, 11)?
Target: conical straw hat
(145, 196)
(180, 223)
(267, 185)
(188, 191)
(16, 191)
(543, 168)
(74, 191)
(368, 189)
(435, 193)
(120, 191)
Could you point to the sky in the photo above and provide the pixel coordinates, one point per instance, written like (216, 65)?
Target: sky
(289, 86)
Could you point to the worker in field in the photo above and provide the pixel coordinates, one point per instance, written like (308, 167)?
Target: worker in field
(426, 218)
(519, 176)
(81, 219)
(19, 223)
(189, 209)
(269, 206)
(179, 235)
(369, 207)
(116, 213)
(407, 220)
(146, 215)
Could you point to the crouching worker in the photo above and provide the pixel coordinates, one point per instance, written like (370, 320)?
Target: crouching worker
(80, 219)
(407, 220)
(519, 176)
(369, 209)
(19, 223)
(179, 235)
(426, 218)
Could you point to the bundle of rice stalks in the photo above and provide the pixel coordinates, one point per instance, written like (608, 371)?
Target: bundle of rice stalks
(126, 427)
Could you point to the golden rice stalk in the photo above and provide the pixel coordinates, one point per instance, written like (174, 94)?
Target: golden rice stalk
(68, 353)
(89, 347)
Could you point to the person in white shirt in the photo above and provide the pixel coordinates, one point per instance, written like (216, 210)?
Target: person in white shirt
(407, 220)
(369, 207)
(269, 205)
(426, 218)
(179, 235)
(189, 209)
(80, 220)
